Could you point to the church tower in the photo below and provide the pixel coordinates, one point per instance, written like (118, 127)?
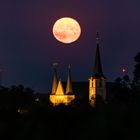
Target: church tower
(69, 82)
(97, 82)
(55, 79)
(58, 95)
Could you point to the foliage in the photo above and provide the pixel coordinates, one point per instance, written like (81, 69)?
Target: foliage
(137, 70)
(15, 97)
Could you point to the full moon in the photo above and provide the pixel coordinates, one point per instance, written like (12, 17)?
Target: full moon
(66, 30)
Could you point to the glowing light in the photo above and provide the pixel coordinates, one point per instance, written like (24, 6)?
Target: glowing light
(124, 70)
(92, 91)
(22, 111)
(60, 98)
(66, 30)
(59, 90)
(37, 99)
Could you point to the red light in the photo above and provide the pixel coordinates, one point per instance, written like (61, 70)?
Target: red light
(124, 70)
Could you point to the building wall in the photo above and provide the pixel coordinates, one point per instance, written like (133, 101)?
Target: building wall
(101, 87)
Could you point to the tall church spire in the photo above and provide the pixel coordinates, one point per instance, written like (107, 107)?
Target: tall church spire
(97, 82)
(55, 79)
(97, 71)
(69, 82)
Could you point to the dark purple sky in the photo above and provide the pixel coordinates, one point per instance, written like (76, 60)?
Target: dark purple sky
(28, 48)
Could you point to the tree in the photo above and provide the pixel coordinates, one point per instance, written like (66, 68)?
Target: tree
(122, 89)
(136, 72)
(21, 97)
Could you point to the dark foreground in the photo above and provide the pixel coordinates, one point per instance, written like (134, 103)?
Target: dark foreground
(110, 121)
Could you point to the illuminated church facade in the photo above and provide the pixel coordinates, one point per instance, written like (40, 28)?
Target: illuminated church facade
(58, 95)
(97, 84)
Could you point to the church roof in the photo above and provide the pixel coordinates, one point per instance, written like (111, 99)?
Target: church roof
(59, 90)
(69, 82)
(97, 70)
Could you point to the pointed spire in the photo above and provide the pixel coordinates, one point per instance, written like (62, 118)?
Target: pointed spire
(97, 38)
(69, 82)
(97, 71)
(59, 90)
(55, 79)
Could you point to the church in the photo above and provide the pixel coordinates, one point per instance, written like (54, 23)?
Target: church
(58, 94)
(96, 84)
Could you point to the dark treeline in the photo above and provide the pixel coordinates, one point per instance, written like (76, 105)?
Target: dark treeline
(26, 115)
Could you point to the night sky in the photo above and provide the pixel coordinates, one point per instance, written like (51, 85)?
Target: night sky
(28, 48)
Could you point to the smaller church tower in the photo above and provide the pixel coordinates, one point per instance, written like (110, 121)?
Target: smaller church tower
(55, 79)
(69, 82)
(97, 82)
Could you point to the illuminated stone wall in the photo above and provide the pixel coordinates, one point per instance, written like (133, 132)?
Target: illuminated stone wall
(96, 87)
(61, 99)
(92, 91)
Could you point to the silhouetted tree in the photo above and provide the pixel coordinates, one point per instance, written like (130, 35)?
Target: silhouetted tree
(4, 98)
(136, 80)
(20, 97)
(122, 89)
